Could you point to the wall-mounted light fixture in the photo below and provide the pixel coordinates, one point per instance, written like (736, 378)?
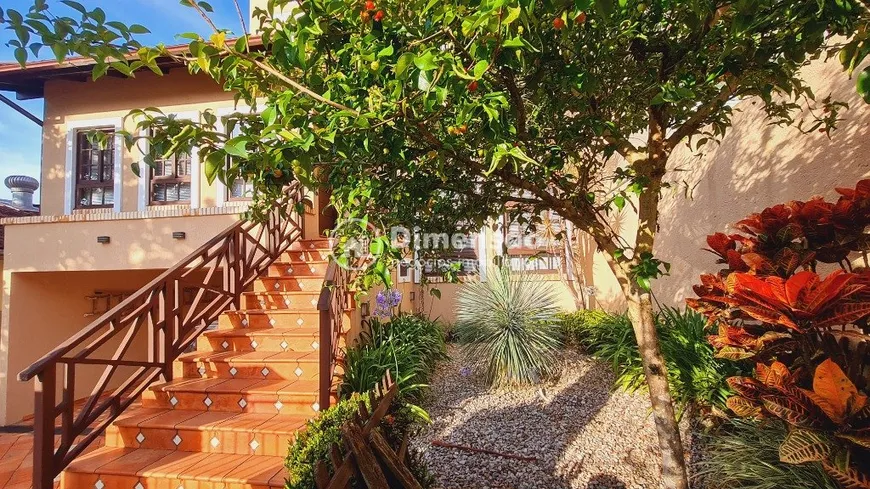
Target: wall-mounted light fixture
(103, 239)
(364, 309)
(179, 235)
(413, 296)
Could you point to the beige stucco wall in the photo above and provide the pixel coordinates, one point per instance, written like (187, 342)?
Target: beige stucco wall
(68, 102)
(47, 308)
(755, 166)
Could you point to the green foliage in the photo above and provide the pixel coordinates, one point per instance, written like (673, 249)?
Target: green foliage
(313, 443)
(409, 346)
(694, 375)
(744, 454)
(510, 323)
(576, 324)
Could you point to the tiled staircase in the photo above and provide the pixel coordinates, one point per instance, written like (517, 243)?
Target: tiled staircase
(227, 418)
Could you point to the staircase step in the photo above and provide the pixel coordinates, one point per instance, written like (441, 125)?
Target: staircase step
(267, 319)
(292, 300)
(309, 268)
(284, 397)
(205, 431)
(142, 468)
(261, 365)
(305, 255)
(271, 339)
(289, 284)
(311, 244)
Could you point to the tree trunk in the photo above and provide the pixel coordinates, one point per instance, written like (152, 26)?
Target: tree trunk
(640, 310)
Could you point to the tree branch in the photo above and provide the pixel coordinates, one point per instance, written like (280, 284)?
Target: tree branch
(694, 123)
(507, 78)
(241, 17)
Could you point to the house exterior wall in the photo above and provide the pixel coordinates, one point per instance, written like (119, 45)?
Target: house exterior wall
(52, 261)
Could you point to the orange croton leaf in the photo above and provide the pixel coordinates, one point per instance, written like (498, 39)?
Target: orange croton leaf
(834, 393)
(777, 375)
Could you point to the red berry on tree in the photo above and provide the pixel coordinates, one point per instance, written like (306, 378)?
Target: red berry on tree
(370, 5)
(558, 23)
(379, 16)
(472, 87)
(581, 18)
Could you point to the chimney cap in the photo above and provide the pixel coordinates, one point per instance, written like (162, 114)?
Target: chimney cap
(21, 183)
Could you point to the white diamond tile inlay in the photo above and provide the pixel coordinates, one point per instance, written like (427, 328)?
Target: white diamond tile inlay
(140, 437)
(176, 440)
(284, 345)
(301, 285)
(272, 321)
(313, 270)
(265, 371)
(287, 302)
(277, 286)
(289, 270)
(244, 322)
(298, 371)
(243, 403)
(254, 344)
(262, 303)
(233, 371)
(300, 321)
(207, 401)
(279, 405)
(254, 445)
(313, 302)
(215, 442)
(315, 407)
(201, 371)
(138, 486)
(99, 484)
(315, 345)
(225, 344)
(173, 401)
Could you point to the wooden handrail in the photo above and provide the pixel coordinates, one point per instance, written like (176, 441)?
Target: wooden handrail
(216, 273)
(332, 304)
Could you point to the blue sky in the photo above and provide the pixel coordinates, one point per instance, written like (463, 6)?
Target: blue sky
(20, 139)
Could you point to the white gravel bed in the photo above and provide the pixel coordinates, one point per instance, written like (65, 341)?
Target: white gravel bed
(582, 433)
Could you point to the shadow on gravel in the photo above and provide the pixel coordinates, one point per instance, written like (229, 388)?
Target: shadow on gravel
(542, 427)
(605, 481)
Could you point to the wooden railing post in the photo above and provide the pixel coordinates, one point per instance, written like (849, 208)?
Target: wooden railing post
(325, 355)
(170, 320)
(43, 427)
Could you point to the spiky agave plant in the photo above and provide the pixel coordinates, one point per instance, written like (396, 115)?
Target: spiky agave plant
(510, 324)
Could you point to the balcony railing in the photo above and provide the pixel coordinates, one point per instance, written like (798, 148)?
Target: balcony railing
(136, 342)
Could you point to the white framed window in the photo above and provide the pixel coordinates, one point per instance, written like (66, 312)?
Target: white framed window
(240, 190)
(93, 168)
(175, 180)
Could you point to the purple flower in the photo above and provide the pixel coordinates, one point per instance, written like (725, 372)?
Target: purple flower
(385, 301)
(465, 371)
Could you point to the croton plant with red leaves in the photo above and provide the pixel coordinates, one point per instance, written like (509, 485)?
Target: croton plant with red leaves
(781, 301)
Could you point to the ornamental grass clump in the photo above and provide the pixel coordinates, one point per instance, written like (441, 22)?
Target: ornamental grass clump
(510, 324)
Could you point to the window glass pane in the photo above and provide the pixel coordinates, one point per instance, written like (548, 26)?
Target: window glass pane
(108, 195)
(241, 189)
(182, 166)
(158, 193)
(184, 192)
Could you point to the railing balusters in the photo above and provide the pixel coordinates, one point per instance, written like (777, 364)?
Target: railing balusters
(157, 311)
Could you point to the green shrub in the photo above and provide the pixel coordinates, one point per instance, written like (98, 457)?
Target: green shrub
(509, 322)
(575, 324)
(313, 443)
(409, 346)
(744, 454)
(695, 376)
